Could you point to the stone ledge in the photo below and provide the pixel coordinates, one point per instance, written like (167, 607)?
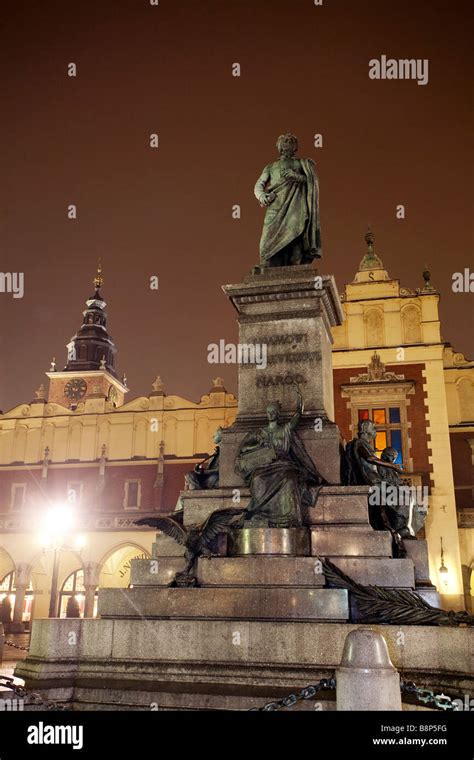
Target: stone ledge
(344, 543)
(225, 603)
(373, 571)
(261, 571)
(268, 571)
(204, 656)
(335, 504)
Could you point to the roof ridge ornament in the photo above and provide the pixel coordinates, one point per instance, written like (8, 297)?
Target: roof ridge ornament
(370, 260)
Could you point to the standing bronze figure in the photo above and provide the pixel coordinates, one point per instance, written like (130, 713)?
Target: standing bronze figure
(289, 190)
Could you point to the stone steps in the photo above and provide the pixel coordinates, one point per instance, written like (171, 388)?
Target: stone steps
(226, 664)
(255, 571)
(225, 603)
(338, 543)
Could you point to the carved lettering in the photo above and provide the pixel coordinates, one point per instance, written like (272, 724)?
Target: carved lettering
(288, 378)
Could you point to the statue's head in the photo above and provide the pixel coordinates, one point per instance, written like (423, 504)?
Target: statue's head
(389, 454)
(273, 410)
(367, 429)
(287, 145)
(217, 437)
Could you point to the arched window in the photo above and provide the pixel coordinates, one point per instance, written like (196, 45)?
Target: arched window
(8, 589)
(72, 597)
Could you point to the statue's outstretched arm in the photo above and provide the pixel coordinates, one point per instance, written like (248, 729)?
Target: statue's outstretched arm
(294, 422)
(381, 463)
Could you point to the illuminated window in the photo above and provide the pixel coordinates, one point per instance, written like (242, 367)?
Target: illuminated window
(8, 589)
(379, 416)
(72, 596)
(394, 415)
(8, 583)
(387, 420)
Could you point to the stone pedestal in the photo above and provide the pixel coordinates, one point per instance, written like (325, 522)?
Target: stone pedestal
(289, 311)
(264, 573)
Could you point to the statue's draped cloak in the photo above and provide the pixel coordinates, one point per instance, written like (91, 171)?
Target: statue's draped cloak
(294, 212)
(279, 489)
(356, 470)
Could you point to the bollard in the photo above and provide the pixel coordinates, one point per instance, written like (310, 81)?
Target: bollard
(366, 678)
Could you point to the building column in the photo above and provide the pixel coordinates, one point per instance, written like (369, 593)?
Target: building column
(22, 581)
(91, 581)
(442, 517)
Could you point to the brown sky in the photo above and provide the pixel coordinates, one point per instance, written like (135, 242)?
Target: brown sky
(167, 212)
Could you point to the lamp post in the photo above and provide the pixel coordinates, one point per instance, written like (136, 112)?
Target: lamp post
(59, 522)
(443, 570)
(53, 598)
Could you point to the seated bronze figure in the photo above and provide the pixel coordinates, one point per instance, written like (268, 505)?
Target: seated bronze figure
(279, 471)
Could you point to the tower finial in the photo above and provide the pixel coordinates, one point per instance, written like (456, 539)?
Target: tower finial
(98, 280)
(427, 278)
(369, 239)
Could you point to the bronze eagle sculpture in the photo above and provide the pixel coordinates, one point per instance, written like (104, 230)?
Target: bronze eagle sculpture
(197, 539)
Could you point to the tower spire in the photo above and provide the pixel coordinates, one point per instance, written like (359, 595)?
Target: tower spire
(92, 348)
(98, 280)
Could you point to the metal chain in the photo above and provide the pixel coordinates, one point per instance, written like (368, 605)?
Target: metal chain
(427, 696)
(307, 693)
(29, 697)
(17, 646)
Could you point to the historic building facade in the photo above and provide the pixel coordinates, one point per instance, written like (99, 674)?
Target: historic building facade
(81, 450)
(79, 453)
(392, 365)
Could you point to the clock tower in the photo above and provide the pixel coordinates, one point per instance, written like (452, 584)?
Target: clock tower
(90, 367)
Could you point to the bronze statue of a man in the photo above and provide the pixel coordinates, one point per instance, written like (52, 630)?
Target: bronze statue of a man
(289, 190)
(361, 466)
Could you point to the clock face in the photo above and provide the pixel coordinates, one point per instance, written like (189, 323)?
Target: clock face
(75, 388)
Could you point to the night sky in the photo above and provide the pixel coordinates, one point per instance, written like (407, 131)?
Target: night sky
(143, 69)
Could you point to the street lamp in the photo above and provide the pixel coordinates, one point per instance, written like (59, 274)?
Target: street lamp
(443, 570)
(58, 523)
